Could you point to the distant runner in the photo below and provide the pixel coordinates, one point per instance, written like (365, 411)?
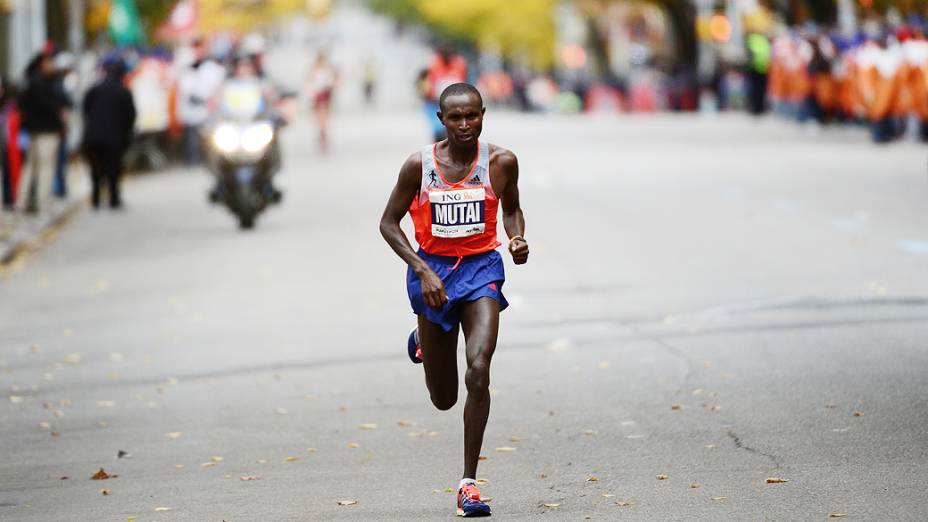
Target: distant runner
(452, 190)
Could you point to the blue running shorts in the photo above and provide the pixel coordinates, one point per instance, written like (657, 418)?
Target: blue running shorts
(476, 276)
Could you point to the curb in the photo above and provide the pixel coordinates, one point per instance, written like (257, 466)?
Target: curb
(11, 249)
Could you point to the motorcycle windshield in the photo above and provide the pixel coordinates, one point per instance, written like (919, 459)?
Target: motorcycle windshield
(241, 100)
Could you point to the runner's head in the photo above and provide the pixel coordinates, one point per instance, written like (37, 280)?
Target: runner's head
(461, 112)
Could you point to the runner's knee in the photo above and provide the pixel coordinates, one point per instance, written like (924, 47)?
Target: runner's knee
(444, 401)
(477, 378)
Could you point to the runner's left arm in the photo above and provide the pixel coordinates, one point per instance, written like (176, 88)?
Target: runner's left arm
(513, 220)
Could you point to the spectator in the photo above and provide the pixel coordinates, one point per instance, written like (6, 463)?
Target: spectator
(43, 105)
(109, 120)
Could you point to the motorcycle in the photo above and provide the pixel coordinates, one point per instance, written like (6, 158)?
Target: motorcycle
(244, 153)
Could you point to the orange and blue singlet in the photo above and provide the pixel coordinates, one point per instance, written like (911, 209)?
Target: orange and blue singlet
(455, 227)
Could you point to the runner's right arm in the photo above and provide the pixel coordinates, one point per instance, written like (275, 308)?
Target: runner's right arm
(407, 187)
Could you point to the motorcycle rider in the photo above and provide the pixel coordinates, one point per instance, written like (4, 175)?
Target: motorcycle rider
(246, 81)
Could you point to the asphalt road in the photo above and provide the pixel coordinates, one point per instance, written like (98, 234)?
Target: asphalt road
(714, 301)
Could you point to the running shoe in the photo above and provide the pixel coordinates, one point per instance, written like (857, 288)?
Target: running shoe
(469, 503)
(413, 348)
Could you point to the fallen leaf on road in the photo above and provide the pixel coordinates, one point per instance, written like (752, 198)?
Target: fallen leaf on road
(262, 461)
(179, 466)
(72, 358)
(123, 455)
(104, 492)
(516, 439)
(676, 407)
(368, 426)
(353, 445)
(346, 502)
(131, 518)
(504, 449)
(58, 413)
(207, 464)
(486, 500)
(559, 345)
(776, 480)
(662, 477)
(310, 397)
(623, 503)
(403, 423)
(697, 391)
(694, 485)
(106, 404)
(280, 411)
(173, 435)
(592, 478)
(858, 414)
(552, 505)
(163, 509)
(608, 495)
(246, 478)
(482, 481)
(64, 478)
(719, 498)
(836, 515)
(448, 490)
(100, 475)
(432, 433)
(16, 399)
(216, 459)
(710, 446)
(311, 450)
(56, 434)
(291, 459)
(590, 432)
(712, 407)
(44, 425)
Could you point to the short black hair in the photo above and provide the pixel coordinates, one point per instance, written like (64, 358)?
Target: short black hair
(455, 89)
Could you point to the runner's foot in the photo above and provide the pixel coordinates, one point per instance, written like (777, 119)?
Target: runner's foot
(413, 348)
(469, 503)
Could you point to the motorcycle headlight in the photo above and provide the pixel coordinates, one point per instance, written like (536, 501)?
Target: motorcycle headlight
(256, 137)
(225, 138)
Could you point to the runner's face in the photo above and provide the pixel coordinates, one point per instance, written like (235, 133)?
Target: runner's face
(463, 118)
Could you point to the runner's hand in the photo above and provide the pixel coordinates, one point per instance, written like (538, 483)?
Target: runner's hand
(519, 250)
(433, 290)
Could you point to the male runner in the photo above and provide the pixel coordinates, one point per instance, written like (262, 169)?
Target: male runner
(452, 190)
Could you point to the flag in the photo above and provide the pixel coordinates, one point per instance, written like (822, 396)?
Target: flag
(124, 23)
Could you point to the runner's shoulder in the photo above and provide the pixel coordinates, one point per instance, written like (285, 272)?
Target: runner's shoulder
(413, 163)
(503, 157)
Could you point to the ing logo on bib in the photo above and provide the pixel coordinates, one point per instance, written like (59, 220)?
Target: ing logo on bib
(457, 213)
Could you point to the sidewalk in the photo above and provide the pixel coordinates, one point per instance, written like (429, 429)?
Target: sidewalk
(16, 235)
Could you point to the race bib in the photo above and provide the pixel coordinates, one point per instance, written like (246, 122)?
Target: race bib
(457, 213)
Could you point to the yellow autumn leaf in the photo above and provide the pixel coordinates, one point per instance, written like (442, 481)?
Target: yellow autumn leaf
(662, 477)
(552, 505)
(504, 449)
(163, 509)
(776, 480)
(836, 515)
(173, 435)
(368, 426)
(346, 502)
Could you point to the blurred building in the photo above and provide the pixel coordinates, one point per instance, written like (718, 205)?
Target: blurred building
(27, 25)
